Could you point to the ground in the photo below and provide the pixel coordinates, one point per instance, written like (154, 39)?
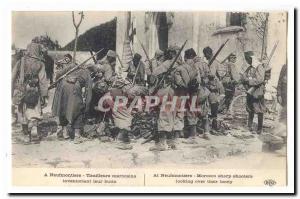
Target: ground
(239, 145)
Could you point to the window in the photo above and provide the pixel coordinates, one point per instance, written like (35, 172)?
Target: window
(236, 19)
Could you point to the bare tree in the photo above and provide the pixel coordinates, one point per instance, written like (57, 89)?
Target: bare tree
(76, 31)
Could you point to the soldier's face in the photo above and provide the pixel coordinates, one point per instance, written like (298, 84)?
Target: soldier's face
(110, 59)
(67, 59)
(207, 55)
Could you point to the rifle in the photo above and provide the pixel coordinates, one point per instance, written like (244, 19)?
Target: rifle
(150, 64)
(253, 88)
(217, 53)
(272, 52)
(72, 70)
(168, 71)
(94, 59)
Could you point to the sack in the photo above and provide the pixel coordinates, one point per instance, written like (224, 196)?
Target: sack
(31, 97)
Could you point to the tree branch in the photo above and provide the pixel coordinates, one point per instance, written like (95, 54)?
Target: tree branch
(73, 17)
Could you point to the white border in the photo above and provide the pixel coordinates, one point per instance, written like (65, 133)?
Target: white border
(183, 5)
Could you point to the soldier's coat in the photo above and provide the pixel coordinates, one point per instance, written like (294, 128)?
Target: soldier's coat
(68, 102)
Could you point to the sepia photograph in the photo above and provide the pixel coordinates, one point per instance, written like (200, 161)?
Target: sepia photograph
(149, 98)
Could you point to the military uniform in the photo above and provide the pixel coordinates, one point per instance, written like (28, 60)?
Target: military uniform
(170, 122)
(121, 116)
(253, 79)
(229, 77)
(216, 89)
(31, 85)
(105, 75)
(70, 103)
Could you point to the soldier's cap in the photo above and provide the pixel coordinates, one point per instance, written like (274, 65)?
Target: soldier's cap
(68, 55)
(208, 50)
(111, 53)
(137, 56)
(190, 53)
(232, 55)
(36, 39)
(248, 54)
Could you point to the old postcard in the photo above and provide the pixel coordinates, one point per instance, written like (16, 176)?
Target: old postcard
(150, 99)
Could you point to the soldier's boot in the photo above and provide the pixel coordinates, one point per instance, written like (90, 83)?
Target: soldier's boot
(160, 145)
(214, 127)
(250, 121)
(65, 133)
(171, 140)
(123, 141)
(205, 124)
(260, 117)
(78, 139)
(192, 135)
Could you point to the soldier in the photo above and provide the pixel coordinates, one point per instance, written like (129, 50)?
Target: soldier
(62, 67)
(136, 70)
(118, 108)
(170, 122)
(282, 93)
(253, 80)
(155, 62)
(106, 67)
(31, 91)
(71, 103)
(197, 72)
(105, 73)
(214, 86)
(229, 77)
(64, 62)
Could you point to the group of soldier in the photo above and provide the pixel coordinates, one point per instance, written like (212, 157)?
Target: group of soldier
(79, 92)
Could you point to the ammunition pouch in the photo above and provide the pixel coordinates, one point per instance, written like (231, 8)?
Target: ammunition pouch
(31, 97)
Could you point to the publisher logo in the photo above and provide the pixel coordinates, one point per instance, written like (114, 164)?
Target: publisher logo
(270, 182)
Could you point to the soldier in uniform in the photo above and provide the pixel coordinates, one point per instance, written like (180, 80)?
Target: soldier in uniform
(170, 122)
(136, 70)
(229, 77)
(120, 115)
(253, 80)
(155, 62)
(197, 73)
(214, 86)
(62, 67)
(71, 103)
(104, 77)
(31, 91)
